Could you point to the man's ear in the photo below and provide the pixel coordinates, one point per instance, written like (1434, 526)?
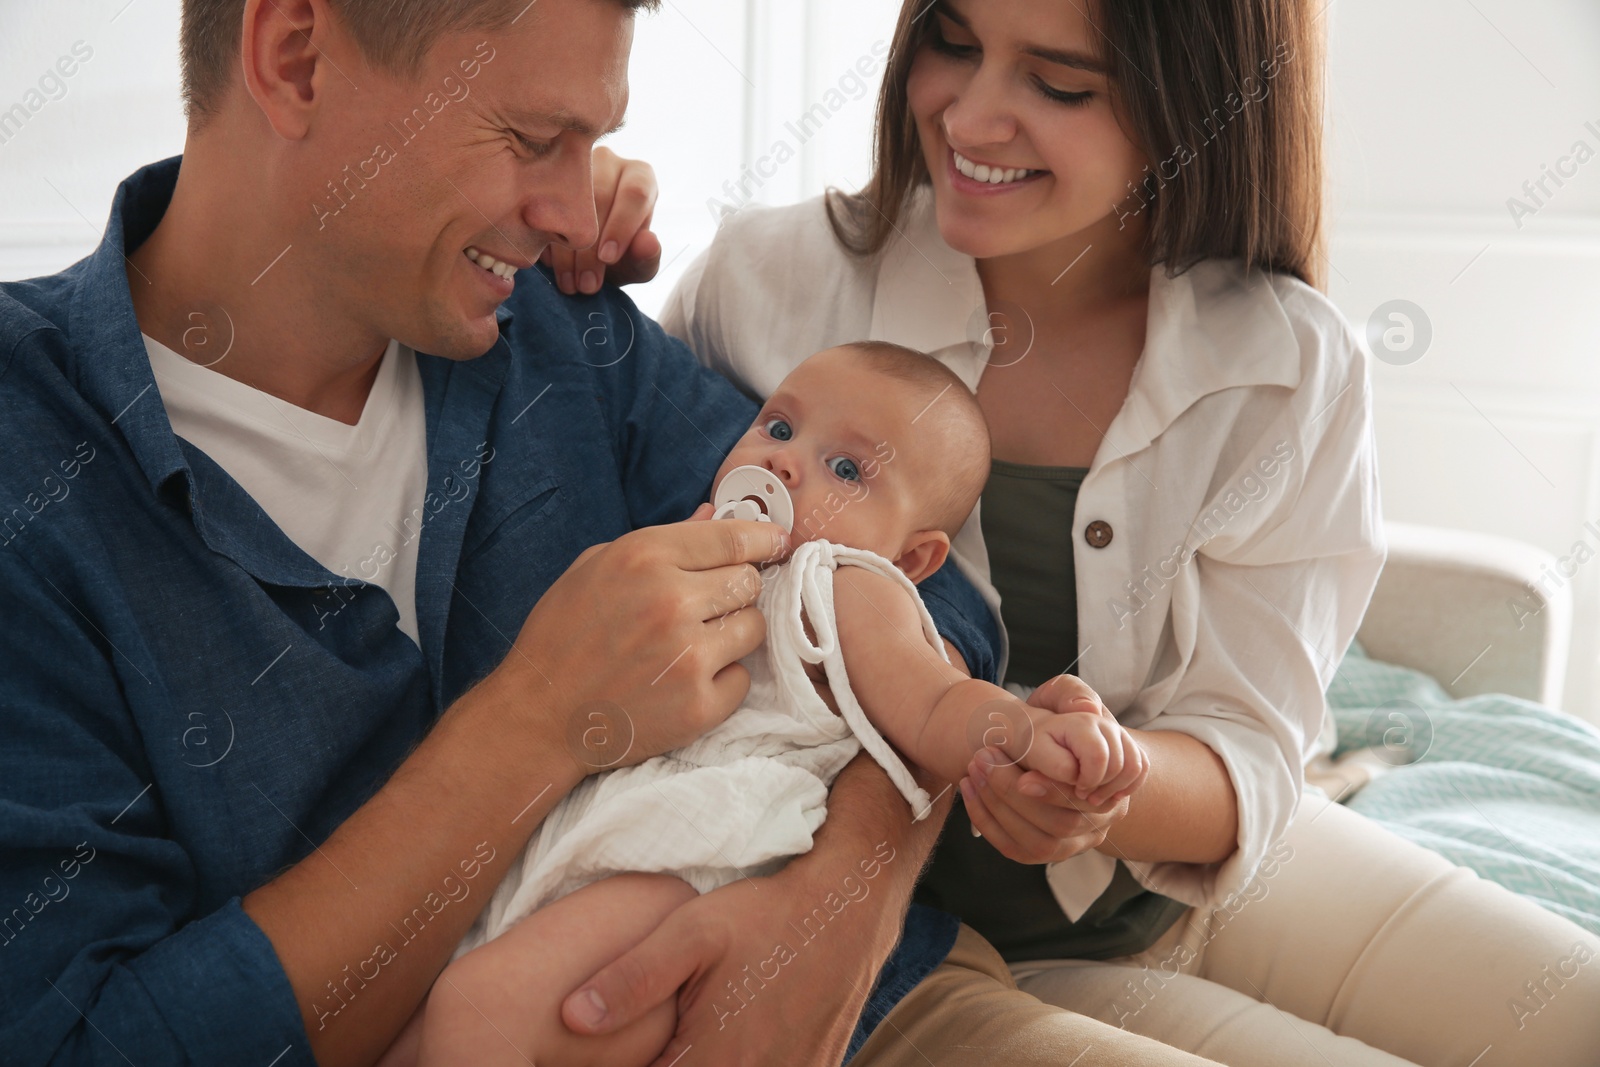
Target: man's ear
(924, 553)
(282, 51)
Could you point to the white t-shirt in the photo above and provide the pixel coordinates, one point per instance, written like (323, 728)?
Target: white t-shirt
(349, 496)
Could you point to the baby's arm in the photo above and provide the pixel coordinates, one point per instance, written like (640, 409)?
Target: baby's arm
(938, 717)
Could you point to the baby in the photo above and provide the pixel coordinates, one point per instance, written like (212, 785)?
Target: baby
(883, 452)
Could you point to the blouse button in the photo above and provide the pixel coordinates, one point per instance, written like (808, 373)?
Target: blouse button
(1098, 533)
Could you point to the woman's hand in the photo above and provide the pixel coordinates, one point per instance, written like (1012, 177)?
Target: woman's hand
(624, 199)
(1029, 829)
(1030, 818)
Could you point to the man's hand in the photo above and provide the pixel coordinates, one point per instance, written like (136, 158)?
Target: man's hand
(636, 647)
(813, 937)
(625, 199)
(753, 989)
(632, 652)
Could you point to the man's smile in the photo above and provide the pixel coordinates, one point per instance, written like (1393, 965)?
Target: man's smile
(491, 264)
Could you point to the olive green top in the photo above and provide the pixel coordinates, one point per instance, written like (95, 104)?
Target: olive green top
(1027, 527)
(1027, 520)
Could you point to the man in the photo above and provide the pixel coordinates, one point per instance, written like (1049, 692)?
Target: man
(333, 555)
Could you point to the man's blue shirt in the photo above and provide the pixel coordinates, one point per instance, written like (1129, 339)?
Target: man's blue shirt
(189, 703)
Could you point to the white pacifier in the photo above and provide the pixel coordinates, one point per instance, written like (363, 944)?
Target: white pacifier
(754, 493)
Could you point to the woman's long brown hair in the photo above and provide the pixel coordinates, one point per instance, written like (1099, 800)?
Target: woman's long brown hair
(1224, 97)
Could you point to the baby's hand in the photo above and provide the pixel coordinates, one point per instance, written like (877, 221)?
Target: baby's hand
(1111, 764)
(1089, 752)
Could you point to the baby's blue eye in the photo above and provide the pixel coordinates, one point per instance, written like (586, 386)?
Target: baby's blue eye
(845, 467)
(778, 429)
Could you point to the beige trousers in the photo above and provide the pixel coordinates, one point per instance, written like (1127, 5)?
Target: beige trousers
(1359, 941)
(970, 1013)
(1360, 948)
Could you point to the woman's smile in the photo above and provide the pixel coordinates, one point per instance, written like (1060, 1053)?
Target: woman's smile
(981, 179)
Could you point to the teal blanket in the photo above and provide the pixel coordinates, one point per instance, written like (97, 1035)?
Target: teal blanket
(1504, 786)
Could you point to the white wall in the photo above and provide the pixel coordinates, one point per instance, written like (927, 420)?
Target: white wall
(736, 133)
(1440, 110)
(118, 111)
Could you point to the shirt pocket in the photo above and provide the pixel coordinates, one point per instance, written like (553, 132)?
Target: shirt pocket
(508, 511)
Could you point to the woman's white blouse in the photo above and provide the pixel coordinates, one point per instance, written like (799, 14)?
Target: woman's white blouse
(1238, 483)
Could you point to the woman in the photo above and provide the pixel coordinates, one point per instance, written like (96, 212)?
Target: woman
(1107, 222)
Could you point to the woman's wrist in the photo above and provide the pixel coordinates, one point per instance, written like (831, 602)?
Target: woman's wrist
(1186, 810)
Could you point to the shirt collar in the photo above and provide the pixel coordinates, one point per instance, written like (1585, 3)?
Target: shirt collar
(1216, 326)
(114, 369)
(116, 377)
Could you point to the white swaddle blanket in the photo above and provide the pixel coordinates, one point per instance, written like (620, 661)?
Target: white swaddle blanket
(749, 793)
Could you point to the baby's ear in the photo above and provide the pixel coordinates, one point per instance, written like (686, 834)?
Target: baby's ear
(924, 553)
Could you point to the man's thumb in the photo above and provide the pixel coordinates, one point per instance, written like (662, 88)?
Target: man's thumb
(629, 986)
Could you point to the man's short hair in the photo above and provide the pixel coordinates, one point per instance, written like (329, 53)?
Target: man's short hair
(392, 34)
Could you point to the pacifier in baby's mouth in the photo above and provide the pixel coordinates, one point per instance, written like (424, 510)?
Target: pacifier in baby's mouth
(754, 493)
